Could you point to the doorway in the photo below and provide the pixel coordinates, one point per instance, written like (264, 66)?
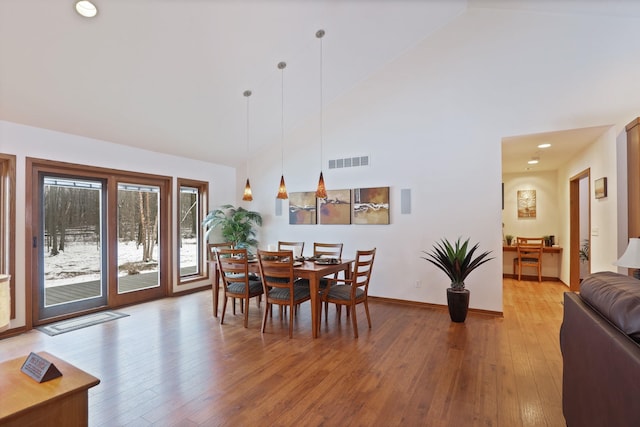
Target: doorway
(579, 228)
(523, 156)
(71, 261)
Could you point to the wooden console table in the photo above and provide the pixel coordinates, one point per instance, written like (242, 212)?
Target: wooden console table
(62, 401)
(548, 250)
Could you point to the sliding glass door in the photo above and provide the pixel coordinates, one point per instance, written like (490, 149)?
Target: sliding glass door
(71, 245)
(138, 237)
(100, 238)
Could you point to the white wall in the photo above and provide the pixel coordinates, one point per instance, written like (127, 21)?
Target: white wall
(24, 141)
(600, 159)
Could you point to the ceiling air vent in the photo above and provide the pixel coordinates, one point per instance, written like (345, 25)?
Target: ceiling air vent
(349, 162)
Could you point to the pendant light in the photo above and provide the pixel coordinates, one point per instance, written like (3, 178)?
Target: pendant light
(282, 190)
(247, 196)
(321, 191)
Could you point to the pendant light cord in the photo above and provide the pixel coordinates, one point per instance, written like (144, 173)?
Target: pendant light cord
(320, 34)
(282, 123)
(247, 188)
(247, 94)
(282, 66)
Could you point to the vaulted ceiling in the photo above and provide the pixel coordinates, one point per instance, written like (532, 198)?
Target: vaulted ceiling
(168, 75)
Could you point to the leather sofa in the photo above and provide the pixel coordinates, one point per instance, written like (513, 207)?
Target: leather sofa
(600, 344)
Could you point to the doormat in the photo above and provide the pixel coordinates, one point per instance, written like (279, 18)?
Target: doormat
(80, 322)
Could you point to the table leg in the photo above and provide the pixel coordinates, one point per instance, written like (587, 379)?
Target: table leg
(347, 272)
(215, 288)
(313, 288)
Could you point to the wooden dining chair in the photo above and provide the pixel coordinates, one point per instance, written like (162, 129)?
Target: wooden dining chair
(211, 255)
(236, 281)
(327, 250)
(330, 250)
(352, 291)
(529, 250)
(280, 286)
(296, 247)
(212, 247)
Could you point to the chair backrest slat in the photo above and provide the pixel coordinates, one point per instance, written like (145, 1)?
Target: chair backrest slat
(529, 247)
(275, 267)
(291, 246)
(234, 267)
(362, 268)
(213, 247)
(333, 250)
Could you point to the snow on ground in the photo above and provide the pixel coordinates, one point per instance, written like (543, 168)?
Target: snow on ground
(80, 262)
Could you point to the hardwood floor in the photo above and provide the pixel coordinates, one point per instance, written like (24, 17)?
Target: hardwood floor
(170, 363)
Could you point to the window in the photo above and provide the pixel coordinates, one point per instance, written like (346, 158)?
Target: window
(191, 248)
(8, 222)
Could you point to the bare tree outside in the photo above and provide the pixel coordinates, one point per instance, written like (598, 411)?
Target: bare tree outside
(148, 226)
(138, 226)
(189, 233)
(72, 226)
(72, 210)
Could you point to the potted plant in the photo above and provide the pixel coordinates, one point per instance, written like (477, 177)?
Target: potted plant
(583, 253)
(509, 239)
(236, 225)
(457, 261)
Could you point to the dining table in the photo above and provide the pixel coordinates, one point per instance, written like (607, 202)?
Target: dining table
(311, 270)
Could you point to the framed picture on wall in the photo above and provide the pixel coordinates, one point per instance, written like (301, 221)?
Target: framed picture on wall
(601, 188)
(370, 205)
(336, 208)
(302, 208)
(527, 204)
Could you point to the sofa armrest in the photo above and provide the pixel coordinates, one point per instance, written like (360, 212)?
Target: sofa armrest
(601, 369)
(616, 297)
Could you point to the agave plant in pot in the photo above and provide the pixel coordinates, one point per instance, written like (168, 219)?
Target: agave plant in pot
(457, 260)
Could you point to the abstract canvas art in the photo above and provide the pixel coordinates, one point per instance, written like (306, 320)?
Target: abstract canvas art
(302, 208)
(336, 208)
(370, 205)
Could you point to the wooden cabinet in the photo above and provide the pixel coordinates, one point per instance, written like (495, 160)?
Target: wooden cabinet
(633, 176)
(59, 402)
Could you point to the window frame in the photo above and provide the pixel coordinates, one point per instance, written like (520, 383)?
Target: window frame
(203, 194)
(8, 223)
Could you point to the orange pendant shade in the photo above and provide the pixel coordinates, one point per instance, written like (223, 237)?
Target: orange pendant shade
(247, 196)
(282, 191)
(321, 191)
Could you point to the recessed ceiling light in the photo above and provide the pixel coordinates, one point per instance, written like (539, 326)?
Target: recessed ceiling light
(533, 162)
(86, 8)
(545, 145)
